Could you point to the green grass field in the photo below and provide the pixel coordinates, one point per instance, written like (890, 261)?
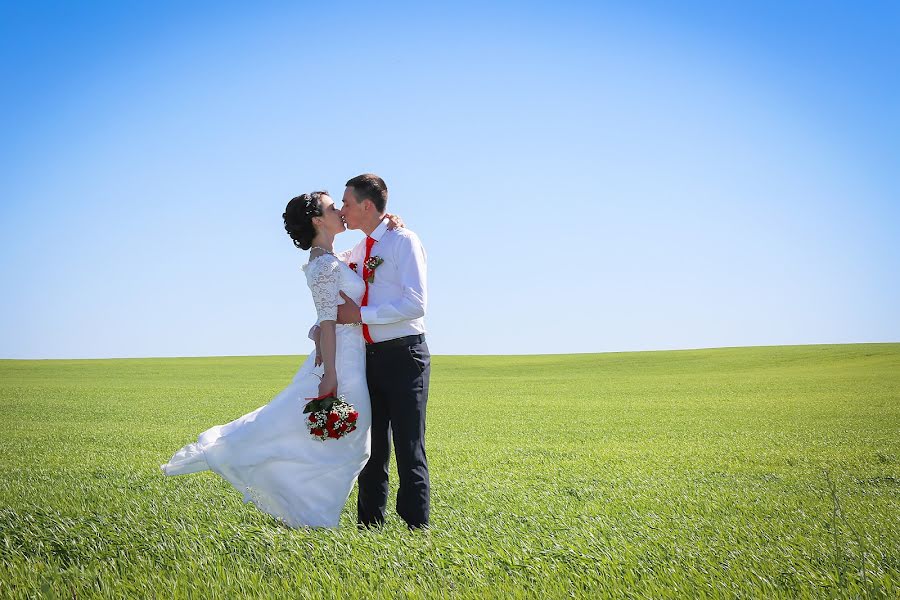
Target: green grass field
(744, 472)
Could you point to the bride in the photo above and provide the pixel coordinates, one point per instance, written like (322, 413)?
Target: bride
(269, 454)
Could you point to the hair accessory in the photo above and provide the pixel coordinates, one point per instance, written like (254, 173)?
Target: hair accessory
(310, 207)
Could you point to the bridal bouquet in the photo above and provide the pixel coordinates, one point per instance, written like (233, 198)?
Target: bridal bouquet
(330, 417)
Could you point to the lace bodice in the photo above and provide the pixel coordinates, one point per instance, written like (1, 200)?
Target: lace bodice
(327, 276)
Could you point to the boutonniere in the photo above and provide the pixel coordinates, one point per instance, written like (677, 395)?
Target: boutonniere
(352, 266)
(373, 263)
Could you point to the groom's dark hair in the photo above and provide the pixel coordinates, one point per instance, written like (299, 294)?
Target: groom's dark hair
(369, 186)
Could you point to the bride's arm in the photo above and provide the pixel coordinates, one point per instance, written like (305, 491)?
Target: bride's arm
(323, 280)
(329, 346)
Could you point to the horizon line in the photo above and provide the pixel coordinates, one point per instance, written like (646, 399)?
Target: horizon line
(473, 355)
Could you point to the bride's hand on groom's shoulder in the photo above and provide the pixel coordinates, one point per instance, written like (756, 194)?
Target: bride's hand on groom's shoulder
(394, 221)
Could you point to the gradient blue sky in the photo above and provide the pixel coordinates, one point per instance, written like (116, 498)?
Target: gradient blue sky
(585, 177)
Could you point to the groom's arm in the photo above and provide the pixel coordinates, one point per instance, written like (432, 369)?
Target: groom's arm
(410, 259)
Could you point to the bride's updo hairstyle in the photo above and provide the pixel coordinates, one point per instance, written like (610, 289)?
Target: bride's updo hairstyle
(298, 216)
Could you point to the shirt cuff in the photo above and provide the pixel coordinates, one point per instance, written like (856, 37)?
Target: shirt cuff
(366, 314)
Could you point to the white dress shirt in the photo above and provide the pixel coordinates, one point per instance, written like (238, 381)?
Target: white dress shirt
(397, 297)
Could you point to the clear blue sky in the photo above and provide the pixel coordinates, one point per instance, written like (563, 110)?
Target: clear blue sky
(585, 177)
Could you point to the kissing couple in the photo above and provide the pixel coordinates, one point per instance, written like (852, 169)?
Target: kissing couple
(370, 353)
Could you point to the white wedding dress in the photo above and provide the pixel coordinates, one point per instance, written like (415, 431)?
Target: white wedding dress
(269, 455)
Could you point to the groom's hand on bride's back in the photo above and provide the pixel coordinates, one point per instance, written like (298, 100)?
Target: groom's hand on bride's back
(348, 312)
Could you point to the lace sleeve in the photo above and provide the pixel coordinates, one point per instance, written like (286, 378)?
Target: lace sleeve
(323, 279)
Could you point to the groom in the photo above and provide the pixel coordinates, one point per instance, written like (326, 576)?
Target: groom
(398, 364)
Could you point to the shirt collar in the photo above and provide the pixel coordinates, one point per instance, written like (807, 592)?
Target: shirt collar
(379, 231)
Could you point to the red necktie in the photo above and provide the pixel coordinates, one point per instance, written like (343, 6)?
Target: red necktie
(365, 299)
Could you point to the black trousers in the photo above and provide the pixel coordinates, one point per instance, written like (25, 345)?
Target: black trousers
(398, 386)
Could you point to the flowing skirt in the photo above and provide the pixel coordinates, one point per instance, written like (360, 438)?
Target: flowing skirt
(270, 457)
